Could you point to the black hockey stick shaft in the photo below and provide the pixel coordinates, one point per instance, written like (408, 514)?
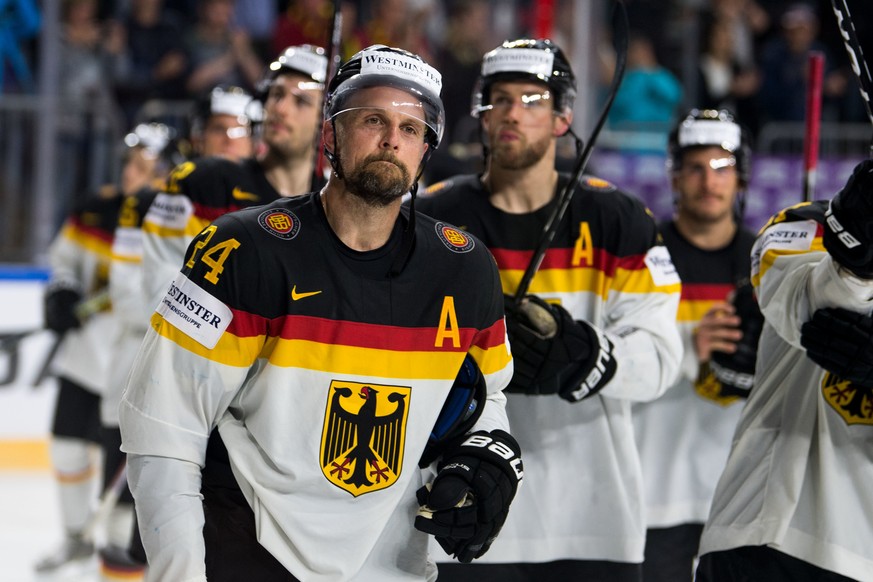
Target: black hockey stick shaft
(856, 57)
(334, 57)
(551, 227)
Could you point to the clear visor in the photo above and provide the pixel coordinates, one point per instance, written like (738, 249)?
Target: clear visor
(529, 102)
(411, 116)
(420, 105)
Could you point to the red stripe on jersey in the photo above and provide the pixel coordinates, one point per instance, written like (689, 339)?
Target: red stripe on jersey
(91, 230)
(210, 213)
(705, 291)
(357, 334)
(563, 259)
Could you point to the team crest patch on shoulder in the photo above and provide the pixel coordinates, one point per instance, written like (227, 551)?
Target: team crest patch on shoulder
(852, 402)
(593, 183)
(280, 223)
(455, 239)
(363, 437)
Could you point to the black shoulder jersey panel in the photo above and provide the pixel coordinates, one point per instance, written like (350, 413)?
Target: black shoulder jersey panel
(727, 265)
(98, 215)
(804, 211)
(619, 223)
(217, 185)
(283, 259)
(135, 207)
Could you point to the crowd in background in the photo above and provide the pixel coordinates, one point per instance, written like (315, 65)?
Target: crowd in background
(750, 56)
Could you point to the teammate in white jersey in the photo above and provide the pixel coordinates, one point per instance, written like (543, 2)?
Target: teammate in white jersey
(794, 501)
(311, 344)
(609, 290)
(685, 435)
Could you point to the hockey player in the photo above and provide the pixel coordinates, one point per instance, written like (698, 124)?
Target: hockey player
(201, 190)
(609, 291)
(320, 335)
(222, 123)
(77, 307)
(685, 435)
(793, 502)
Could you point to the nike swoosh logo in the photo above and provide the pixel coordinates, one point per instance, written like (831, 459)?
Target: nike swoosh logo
(295, 295)
(240, 194)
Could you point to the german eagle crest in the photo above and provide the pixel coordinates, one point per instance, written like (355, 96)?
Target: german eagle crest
(363, 436)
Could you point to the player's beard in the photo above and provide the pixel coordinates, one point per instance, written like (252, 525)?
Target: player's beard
(377, 183)
(519, 155)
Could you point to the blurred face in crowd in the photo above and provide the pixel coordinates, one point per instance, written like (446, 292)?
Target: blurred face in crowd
(380, 137)
(225, 136)
(706, 184)
(140, 169)
(292, 114)
(521, 124)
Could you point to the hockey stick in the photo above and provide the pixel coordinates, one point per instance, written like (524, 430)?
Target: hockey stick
(551, 227)
(107, 501)
(334, 57)
(815, 74)
(856, 57)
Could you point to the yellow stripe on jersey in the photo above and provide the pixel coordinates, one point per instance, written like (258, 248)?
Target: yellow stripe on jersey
(587, 279)
(770, 256)
(341, 359)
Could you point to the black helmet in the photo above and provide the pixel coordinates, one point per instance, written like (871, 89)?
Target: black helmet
(710, 127)
(380, 65)
(538, 60)
(225, 99)
(305, 59)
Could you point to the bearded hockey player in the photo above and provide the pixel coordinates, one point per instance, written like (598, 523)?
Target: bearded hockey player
(320, 336)
(201, 190)
(597, 332)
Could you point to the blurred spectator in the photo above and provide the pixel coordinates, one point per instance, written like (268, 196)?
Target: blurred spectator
(459, 57)
(748, 22)
(258, 19)
(19, 21)
(724, 82)
(86, 52)
(783, 66)
(649, 95)
(311, 22)
(153, 63)
(393, 23)
(218, 52)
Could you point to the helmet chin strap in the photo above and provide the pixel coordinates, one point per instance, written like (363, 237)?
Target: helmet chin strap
(332, 157)
(407, 242)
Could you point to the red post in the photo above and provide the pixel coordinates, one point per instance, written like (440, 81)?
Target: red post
(815, 76)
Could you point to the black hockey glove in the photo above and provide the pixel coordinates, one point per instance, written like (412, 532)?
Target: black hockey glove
(848, 231)
(555, 354)
(736, 371)
(841, 341)
(468, 501)
(59, 307)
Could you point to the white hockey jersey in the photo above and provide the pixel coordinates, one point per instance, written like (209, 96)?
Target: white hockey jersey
(800, 470)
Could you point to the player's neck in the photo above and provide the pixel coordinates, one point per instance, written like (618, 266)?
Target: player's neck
(360, 226)
(708, 236)
(291, 177)
(522, 191)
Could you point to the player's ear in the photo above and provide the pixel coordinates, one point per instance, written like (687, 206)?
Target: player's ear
(327, 135)
(563, 123)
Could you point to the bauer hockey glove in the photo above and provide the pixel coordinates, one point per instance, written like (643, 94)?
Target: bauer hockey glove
(841, 341)
(736, 371)
(59, 306)
(848, 231)
(555, 354)
(468, 501)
